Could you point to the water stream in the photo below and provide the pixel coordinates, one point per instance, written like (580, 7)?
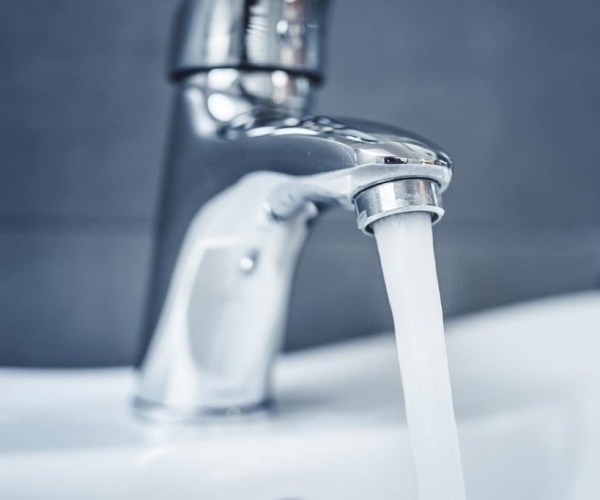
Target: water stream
(405, 246)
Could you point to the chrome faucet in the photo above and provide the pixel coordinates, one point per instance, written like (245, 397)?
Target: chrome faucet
(249, 170)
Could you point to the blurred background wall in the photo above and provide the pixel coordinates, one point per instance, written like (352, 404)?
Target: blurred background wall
(509, 87)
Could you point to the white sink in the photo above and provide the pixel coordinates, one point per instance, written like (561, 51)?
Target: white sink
(527, 392)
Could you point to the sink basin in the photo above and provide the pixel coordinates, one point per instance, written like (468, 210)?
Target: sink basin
(526, 381)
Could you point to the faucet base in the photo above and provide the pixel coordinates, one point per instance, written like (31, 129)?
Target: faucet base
(156, 412)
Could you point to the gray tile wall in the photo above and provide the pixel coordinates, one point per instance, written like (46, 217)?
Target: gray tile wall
(509, 87)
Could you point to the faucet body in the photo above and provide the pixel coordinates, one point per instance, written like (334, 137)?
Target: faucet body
(249, 170)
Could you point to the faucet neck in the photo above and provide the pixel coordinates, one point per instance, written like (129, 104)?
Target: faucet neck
(231, 93)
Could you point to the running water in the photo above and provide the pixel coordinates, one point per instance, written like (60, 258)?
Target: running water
(405, 246)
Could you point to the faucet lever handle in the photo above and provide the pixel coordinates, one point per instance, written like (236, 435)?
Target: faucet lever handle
(257, 35)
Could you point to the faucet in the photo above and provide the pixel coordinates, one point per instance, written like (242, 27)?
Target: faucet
(249, 171)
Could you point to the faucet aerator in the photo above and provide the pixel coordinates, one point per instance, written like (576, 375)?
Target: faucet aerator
(396, 197)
